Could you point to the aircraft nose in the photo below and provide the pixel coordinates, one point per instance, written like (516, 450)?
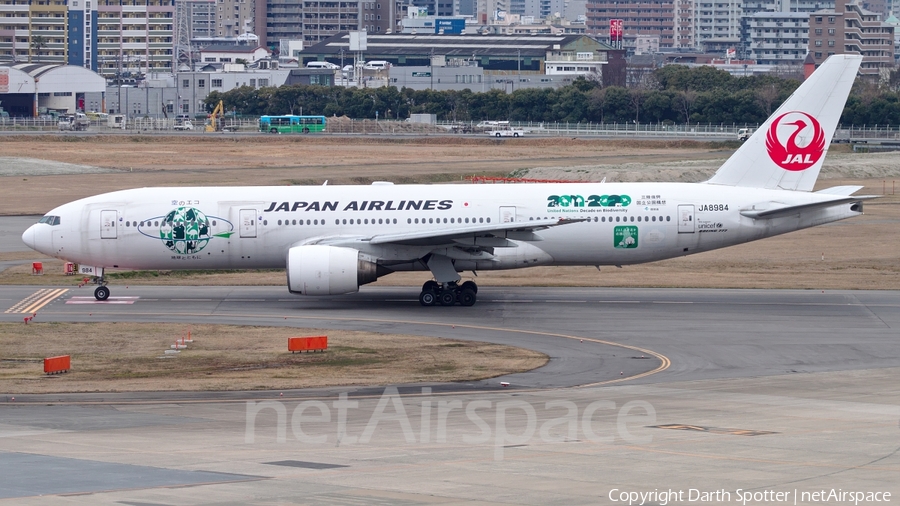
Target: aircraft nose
(28, 237)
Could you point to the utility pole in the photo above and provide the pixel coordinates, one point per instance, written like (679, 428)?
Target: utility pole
(518, 67)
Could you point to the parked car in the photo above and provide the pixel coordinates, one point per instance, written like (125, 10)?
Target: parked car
(321, 65)
(376, 65)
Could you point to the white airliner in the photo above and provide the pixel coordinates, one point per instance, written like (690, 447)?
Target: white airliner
(332, 239)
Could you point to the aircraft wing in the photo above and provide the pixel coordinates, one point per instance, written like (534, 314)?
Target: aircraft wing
(777, 210)
(491, 234)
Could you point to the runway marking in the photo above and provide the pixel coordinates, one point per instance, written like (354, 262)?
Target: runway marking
(193, 300)
(714, 430)
(89, 299)
(37, 300)
(665, 363)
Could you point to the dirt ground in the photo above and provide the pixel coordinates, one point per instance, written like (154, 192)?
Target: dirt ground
(111, 357)
(136, 161)
(860, 253)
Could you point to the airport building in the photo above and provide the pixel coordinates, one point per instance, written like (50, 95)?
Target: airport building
(494, 53)
(33, 89)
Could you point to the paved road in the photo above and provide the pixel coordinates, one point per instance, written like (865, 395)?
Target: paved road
(11, 228)
(781, 391)
(707, 334)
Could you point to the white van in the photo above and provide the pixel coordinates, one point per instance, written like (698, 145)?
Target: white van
(321, 65)
(376, 65)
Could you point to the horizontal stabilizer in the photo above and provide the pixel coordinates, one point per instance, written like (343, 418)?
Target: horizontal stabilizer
(778, 210)
(840, 190)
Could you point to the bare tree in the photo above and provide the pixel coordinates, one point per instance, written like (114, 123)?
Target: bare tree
(766, 96)
(686, 100)
(597, 98)
(637, 98)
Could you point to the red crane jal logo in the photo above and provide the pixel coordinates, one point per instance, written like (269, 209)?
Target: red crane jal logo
(789, 155)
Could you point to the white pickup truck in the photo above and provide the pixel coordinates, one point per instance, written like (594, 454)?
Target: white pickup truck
(508, 132)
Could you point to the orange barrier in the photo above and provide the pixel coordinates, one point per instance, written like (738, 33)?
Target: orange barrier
(55, 365)
(37, 268)
(301, 344)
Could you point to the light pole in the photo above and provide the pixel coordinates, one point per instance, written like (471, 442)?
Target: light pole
(518, 65)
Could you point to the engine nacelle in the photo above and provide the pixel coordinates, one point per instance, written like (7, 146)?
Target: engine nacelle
(327, 270)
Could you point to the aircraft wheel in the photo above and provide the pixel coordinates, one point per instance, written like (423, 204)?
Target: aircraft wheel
(101, 293)
(427, 298)
(447, 298)
(469, 285)
(466, 297)
(431, 286)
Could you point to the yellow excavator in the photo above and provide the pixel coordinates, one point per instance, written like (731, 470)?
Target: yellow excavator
(215, 122)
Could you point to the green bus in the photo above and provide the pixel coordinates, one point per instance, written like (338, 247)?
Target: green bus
(291, 124)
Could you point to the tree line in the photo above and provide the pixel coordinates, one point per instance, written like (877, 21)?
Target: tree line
(672, 94)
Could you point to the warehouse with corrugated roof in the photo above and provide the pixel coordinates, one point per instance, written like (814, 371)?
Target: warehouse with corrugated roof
(32, 89)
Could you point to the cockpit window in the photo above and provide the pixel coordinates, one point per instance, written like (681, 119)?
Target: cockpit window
(50, 220)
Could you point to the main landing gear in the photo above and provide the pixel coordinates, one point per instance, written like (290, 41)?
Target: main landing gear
(448, 294)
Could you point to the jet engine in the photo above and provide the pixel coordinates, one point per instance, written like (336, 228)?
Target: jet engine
(328, 270)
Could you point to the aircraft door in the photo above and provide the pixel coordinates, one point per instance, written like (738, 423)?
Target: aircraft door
(686, 219)
(507, 214)
(248, 222)
(108, 224)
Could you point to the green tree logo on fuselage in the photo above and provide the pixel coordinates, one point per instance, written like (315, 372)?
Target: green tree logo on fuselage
(185, 230)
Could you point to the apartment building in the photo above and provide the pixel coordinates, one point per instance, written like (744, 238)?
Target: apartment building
(777, 38)
(671, 21)
(34, 31)
(325, 18)
(236, 17)
(717, 24)
(284, 21)
(135, 36)
(200, 17)
(851, 29)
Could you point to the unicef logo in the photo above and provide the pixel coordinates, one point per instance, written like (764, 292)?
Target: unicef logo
(186, 230)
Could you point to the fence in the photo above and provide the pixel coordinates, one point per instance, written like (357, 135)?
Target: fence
(871, 134)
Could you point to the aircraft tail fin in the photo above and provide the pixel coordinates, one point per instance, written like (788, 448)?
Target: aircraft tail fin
(788, 150)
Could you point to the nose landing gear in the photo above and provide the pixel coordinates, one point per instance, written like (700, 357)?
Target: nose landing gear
(101, 292)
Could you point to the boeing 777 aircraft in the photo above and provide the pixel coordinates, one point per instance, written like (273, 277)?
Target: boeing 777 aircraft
(332, 239)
